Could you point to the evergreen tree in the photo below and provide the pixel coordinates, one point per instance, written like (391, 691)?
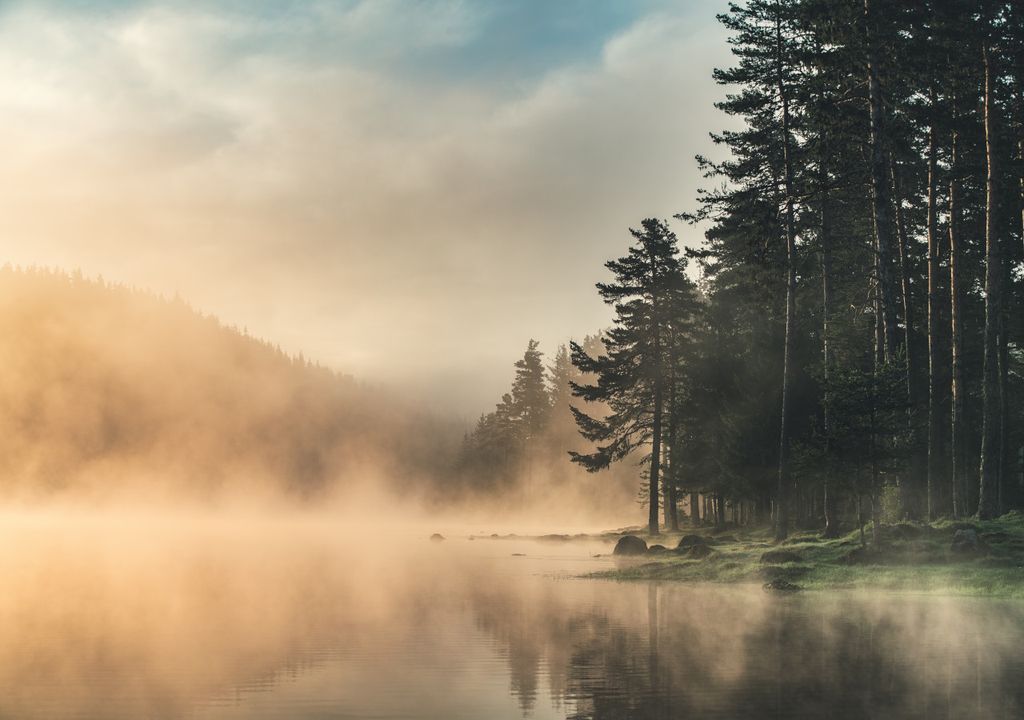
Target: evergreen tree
(632, 372)
(531, 403)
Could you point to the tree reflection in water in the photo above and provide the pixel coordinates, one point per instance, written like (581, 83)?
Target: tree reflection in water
(666, 651)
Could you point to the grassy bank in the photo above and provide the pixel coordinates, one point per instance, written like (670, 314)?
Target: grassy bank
(911, 557)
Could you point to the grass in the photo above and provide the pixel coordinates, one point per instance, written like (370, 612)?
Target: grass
(911, 558)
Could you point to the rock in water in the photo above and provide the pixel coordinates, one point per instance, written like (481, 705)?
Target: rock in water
(437, 537)
(630, 545)
(780, 586)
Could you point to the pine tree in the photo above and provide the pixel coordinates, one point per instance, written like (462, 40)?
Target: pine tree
(531, 404)
(631, 374)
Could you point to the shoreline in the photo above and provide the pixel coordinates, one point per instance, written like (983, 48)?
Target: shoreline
(965, 558)
(962, 558)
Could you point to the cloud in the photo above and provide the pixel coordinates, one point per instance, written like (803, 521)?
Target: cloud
(337, 177)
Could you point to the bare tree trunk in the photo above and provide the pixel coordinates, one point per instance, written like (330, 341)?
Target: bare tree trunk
(908, 301)
(695, 509)
(652, 515)
(782, 521)
(1020, 159)
(909, 484)
(829, 502)
(880, 200)
(1004, 356)
(956, 330)
(879, 360)
(988, 495)
(934, 387)
(671, 477)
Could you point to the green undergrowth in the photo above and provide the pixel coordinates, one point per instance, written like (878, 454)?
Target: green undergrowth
(909, 557)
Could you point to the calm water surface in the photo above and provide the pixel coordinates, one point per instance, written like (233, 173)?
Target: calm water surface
(254, 620)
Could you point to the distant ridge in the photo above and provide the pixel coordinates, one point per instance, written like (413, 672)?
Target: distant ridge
(104, 387)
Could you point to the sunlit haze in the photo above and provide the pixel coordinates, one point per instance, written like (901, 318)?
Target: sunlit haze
(404, 191)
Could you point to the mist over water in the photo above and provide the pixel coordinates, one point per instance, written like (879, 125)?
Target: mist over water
(248, 615)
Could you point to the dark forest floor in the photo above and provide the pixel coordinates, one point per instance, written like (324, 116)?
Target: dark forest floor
(986, 558)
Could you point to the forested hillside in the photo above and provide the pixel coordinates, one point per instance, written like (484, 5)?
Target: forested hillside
(109, 390)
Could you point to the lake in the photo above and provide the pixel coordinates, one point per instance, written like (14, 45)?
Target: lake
(148, 616)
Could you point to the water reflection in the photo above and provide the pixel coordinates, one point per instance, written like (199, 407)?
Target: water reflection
(672, 651)
(263, 620)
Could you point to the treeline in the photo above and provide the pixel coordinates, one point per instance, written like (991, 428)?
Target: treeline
(853, 349)
(108, 391)
(518, 451)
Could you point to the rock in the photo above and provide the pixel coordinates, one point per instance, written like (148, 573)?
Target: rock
(780, 586)
(518, 554)
(437, 537)
(689, 541)
(780, 556)
(630, 545)
(657, 550)
(699, 552)
(967, 542)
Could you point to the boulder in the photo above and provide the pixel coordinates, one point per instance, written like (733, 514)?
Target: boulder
(657, 550)
(630, 545)
(967, 542)
(437, 537)
(689, 541)
(776, 557)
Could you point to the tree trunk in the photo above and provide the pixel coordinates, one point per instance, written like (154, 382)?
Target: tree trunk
(934, 387)
(652, 515)
(909, 483)
(1020, 159)
(671, 477)
(988, 495)
(880, 200)
(879, 360)
(829, 504)
(907, 300)
(956, 329)
(782, 520)
(695, 509)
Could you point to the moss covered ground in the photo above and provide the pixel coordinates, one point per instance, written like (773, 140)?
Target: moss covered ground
(909, 557)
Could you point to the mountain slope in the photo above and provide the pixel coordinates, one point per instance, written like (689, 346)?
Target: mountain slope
(105, 389)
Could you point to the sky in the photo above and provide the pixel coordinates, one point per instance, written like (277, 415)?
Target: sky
(403, 190)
